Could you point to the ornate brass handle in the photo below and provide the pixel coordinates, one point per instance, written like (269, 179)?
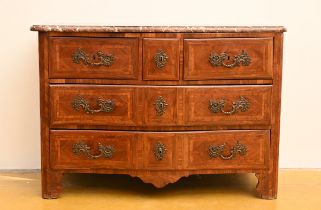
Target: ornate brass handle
(98, 59)
(160, 105)
(160, 59)
(160, 151)
(216, 106)
(217, 151)
(105, 151)
(104, 105)
(218, 59)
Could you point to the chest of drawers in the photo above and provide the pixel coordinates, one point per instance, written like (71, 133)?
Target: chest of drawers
(160, 103)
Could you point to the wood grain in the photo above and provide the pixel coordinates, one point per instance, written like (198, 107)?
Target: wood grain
(50, 178)
(198, 67)
(124, 51)
(170, 97)
(187, 126)
(123, 98)
(170, 47)
(63, 157)
(193, 111)
(256, 142)
(184, 150)
(197, 105)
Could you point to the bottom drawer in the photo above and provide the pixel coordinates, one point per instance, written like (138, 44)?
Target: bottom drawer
(159, 150)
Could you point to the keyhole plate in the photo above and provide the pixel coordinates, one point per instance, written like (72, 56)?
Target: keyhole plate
(160, 59)
(160, 151)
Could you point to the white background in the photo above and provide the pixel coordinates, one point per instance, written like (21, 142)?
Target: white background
(19, 88)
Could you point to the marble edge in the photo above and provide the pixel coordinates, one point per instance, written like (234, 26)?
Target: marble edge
(157, 29)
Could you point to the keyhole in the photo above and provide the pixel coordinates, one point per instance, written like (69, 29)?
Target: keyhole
(160, 151)
(161, 58)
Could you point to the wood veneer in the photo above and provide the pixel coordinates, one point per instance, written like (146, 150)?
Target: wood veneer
(197, 52)
(125, 52)
(187, 127)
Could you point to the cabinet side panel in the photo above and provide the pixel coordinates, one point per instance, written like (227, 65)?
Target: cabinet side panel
(276, 110)
(50, 180)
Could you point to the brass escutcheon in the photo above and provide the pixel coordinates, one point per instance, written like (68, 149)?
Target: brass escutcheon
(160, 59)
(105, 105)
(217, 59)
(82, 147)
(217, 151)
(159, 151)
(98, 59)
(217, 106)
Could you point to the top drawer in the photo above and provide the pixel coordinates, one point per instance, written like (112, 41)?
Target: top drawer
(228, 58)
(110, 58)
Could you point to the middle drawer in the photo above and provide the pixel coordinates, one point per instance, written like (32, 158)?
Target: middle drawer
(114, 105)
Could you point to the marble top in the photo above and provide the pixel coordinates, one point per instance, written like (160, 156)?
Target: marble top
(157, 29)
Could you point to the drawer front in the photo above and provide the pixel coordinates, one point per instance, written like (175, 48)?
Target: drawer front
(160, 106)
(238, 105)
(160, 59)
(234, 58)
(151, 106)
(93, 105)
(91, 149)
(227, 149)
(159, 150)
(110, 58)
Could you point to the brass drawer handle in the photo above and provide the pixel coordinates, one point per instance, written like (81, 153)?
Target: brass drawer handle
(82, 147)
(160, 59)
(160, 105)
(216, 106)
(159, 151)
(217, 151)
(218, 59)
(98, 59)
(105, 105)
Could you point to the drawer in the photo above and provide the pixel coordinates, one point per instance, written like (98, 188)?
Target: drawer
(91, 149)
(159, 150)
(227, 149)
(228, 58)
(109, 58)
(160, 59)
(93, 105)
(152, 106)
(228, 105)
